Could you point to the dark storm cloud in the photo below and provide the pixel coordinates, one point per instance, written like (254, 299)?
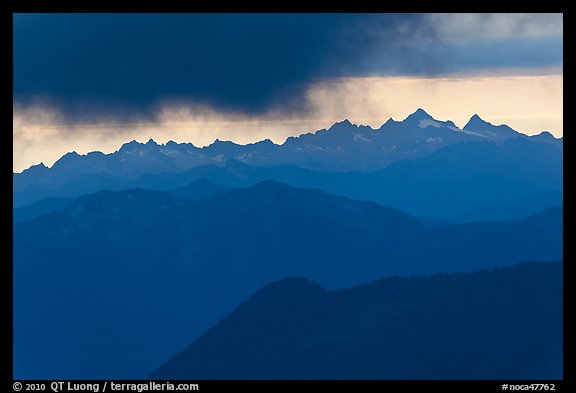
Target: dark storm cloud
(237, 61)
(92, 64)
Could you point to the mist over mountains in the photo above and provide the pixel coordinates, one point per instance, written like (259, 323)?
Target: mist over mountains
(394, 165)
(129, 255)
(123, 260)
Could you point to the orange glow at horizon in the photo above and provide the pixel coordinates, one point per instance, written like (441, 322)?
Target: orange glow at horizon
(529, 104)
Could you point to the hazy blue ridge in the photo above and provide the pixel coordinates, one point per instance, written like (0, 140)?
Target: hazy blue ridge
(164, 269)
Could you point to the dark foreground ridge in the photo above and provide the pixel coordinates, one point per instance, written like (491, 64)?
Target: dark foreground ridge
(88, 279)
(504, 323)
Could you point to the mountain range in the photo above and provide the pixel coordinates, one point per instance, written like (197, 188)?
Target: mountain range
(342, 149)
(123, 260)
(166, 268)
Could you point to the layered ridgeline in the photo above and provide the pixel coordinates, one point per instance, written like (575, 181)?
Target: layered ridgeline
(500, 324)
(121, 260)
(118, 282)
(455, 169)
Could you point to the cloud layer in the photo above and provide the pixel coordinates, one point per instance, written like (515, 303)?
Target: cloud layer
(528, 103)
(127, 64)
(94, 81)
(466, 27)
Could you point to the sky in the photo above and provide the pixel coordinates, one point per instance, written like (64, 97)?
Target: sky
(85, 82)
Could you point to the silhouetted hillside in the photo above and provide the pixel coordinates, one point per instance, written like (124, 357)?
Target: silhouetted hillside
(499, 324)
(116, 258)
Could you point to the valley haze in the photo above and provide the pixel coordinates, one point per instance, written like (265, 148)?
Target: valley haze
(187, 233)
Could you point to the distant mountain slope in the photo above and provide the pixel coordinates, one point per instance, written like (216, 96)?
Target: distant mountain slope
(114, 259)
(42, 207)
(456, 178)
(198, 190)
(511, 210)
(449, 181)
(128, 255)
(546, 137)
(344, 147)
(460, 177)
(499, 324)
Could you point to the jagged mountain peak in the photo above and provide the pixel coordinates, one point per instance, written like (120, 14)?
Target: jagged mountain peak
(220, 142)
(477, 126)
(475, 121)
(389, 122)
(36, 168)
(264, 142)
(344, 146)
(344, 122)
(342, 125)
(130, 145)
(419, 114)
(68, 157)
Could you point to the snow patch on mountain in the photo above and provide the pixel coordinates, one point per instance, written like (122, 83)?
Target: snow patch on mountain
(473, 133)
(429, 122)
(360, 137)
